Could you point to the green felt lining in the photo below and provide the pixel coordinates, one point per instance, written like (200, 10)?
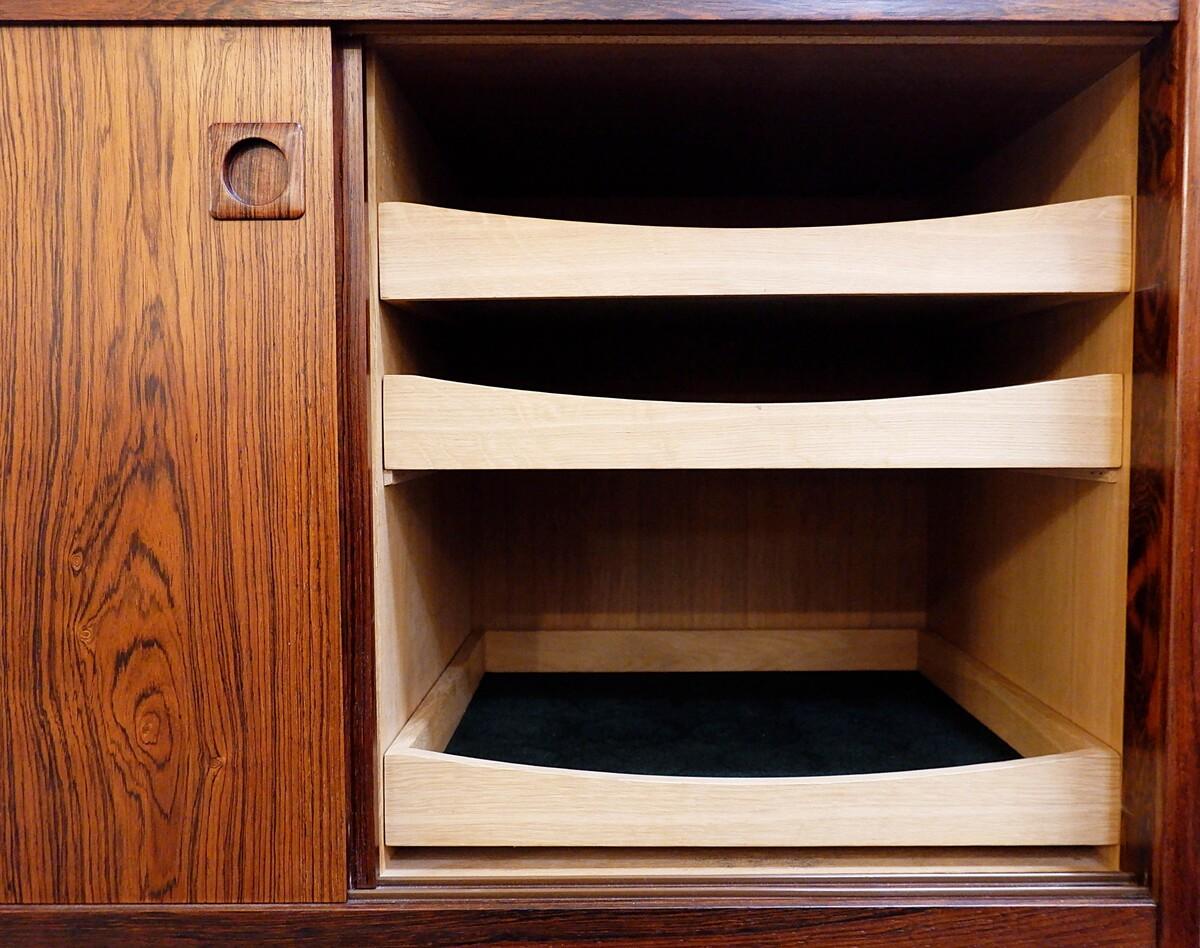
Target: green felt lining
(723, 724)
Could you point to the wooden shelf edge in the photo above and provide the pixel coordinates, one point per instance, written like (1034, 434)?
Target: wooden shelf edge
(439, 799)
(700, 650)
(431, 253)
(418, 864)
(432, 424)
(1100, 475)
(432, 724)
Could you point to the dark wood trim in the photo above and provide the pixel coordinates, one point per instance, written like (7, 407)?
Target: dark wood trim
(358, 587)
(533, 11)
(816, 924)
(1162, 758)
(1176, 878)
(1148, 593)
(915, 891)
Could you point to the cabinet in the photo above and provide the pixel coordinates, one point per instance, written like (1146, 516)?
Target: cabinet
(841, 469)
(559, 474)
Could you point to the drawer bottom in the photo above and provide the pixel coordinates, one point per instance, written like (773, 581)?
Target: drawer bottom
(947, 754)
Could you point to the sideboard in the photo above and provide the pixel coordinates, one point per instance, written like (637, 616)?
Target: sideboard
(580, 472)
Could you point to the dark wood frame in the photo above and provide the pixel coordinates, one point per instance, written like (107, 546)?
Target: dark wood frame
(548, 11)
(1161, 784)
(358, 568)
(1162, 775)
(816, 922)
(1162, 772)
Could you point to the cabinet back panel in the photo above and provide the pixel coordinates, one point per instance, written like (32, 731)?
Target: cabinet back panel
(699, 550)
(771, 132)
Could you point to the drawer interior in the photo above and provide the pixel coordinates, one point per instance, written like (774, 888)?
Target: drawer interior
(993, 596)
(722, 724)
(673, 758)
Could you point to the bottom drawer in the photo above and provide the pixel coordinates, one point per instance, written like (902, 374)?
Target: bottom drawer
(992, 767)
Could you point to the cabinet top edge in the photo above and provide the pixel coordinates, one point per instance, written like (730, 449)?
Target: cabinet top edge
(594, 11)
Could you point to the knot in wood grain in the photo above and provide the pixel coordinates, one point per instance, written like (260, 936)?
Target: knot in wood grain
(149, 727)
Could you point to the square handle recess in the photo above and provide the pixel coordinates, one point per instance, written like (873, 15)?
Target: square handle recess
(257, 170)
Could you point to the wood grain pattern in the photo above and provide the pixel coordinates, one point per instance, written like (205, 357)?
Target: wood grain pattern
(171, 666)
(742, 865)
(433, 723)
(1152, 471)
(1178, 876)
(1162, 746)
(1022, 721)
(1027, 573)
(1067, 797)
(649, 550)
(433, 424)
(1111, 916)
(356, 470)
(430, 253)
(250, 179)
(534, 865)
(436, 799)
(700, 650)
(1025, 576)
(588, 10)
(420, 528)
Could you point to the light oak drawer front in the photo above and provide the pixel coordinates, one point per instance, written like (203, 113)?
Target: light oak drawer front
(431, 424)
(429, 253)
(1064, 792)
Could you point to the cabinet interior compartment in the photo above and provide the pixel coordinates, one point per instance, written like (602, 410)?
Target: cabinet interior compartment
(953, 781)
(955, 542)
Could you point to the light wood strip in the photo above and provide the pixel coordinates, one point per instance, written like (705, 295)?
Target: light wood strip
(435, 424)
(433, 723)
(1029, 726)
(704, 650)
(438, 799)
(548, 862)
(431, 252)
(1103, 475)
